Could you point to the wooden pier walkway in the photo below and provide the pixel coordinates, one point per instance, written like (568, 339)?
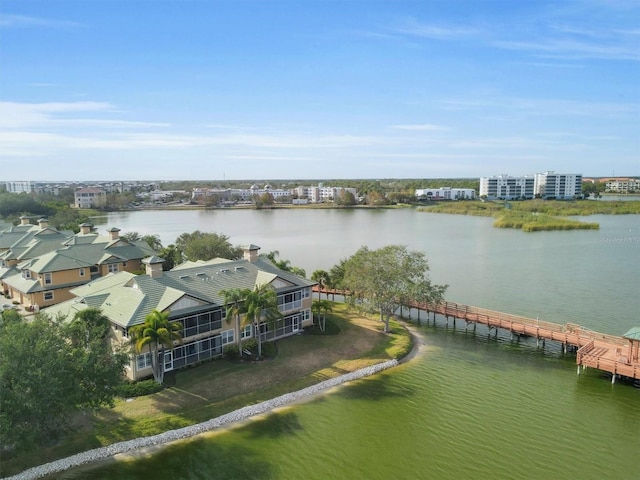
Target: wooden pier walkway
(609, 353)
(616, 355)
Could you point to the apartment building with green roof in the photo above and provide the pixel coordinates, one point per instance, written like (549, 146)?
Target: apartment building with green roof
(40, 270)
(191, 294)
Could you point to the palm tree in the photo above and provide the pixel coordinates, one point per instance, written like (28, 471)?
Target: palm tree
(262, 306)
(234, 302)
(153, 241)
(320, 308)
(131, 236)
(88, 325)
(281, 264)
(157, 333)
(322, 277)
(301, 272)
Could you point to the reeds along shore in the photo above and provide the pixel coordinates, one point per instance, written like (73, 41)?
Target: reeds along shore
(537, 215)
(548, 207)
(532, 222)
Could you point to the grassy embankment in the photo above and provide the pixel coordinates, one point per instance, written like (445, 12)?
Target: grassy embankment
(353, 341)
(536, 215)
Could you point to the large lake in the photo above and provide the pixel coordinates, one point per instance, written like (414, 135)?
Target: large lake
(469, 407)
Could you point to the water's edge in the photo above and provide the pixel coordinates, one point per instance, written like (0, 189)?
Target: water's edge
(244, 413)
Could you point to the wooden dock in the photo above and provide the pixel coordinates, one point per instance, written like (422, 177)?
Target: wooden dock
(616, 355)
(609, 353)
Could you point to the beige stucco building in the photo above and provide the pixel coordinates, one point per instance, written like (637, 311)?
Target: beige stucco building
(191, 295)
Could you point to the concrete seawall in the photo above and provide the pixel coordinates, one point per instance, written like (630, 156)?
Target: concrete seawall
(186, 432)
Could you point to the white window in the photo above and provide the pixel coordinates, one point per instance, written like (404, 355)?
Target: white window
(48, 296)
(246, 332)
(143, 360)
(26, 274)
(112, 268)
(227, 337)
(306, 292)
(81, 272)
(47, 278)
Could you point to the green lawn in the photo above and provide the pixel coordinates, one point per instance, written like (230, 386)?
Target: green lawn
(221, 386)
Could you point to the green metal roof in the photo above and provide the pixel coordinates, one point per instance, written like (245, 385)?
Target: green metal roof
(126, 298)
(633, 334)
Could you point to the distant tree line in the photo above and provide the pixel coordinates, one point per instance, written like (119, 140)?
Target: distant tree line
(57, 210)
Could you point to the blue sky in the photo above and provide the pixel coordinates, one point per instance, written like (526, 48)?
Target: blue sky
(212, 90)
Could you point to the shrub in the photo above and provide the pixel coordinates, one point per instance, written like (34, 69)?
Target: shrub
(138, 389)
(231, 351)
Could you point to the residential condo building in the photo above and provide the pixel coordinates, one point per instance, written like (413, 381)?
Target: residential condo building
(623, 185)
(561, 186)
(505, 187)
(41, 265)
(90, 197)
(446, 193)
(548, 185)
(192, 295)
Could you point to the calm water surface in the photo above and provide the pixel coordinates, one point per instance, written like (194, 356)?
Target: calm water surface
(470, 406)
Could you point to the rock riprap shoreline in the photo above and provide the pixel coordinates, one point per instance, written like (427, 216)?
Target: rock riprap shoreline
(186, 432)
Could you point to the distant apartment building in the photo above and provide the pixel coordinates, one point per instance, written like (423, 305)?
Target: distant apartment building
(237, 194)
(505, 187)
(28, 186)
(623, 185)
(562, 186)
(446, 193)
(90, 197)
(320, 193)
(313, 194)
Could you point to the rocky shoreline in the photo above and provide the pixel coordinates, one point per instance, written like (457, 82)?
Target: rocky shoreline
(190, 431)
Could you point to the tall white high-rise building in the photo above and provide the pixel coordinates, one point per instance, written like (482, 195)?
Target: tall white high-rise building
(505, 187)
(563, 186)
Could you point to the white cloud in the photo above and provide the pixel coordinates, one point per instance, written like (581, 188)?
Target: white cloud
(22, 21)
(572, 49)
(542, 106)
(424, 127)
(413, 27)
(56, 114)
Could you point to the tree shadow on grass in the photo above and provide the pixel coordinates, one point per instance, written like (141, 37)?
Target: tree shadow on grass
(81, 436)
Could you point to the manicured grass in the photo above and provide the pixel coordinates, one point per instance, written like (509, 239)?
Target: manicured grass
(221, 386)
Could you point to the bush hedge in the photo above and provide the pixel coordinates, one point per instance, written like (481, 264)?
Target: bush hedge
(139, 388)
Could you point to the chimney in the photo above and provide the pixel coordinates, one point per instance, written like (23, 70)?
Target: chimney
(24, 220)
(153, 266)
(86, 228)
(43, 222)
(114, 233)
(250, 252)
